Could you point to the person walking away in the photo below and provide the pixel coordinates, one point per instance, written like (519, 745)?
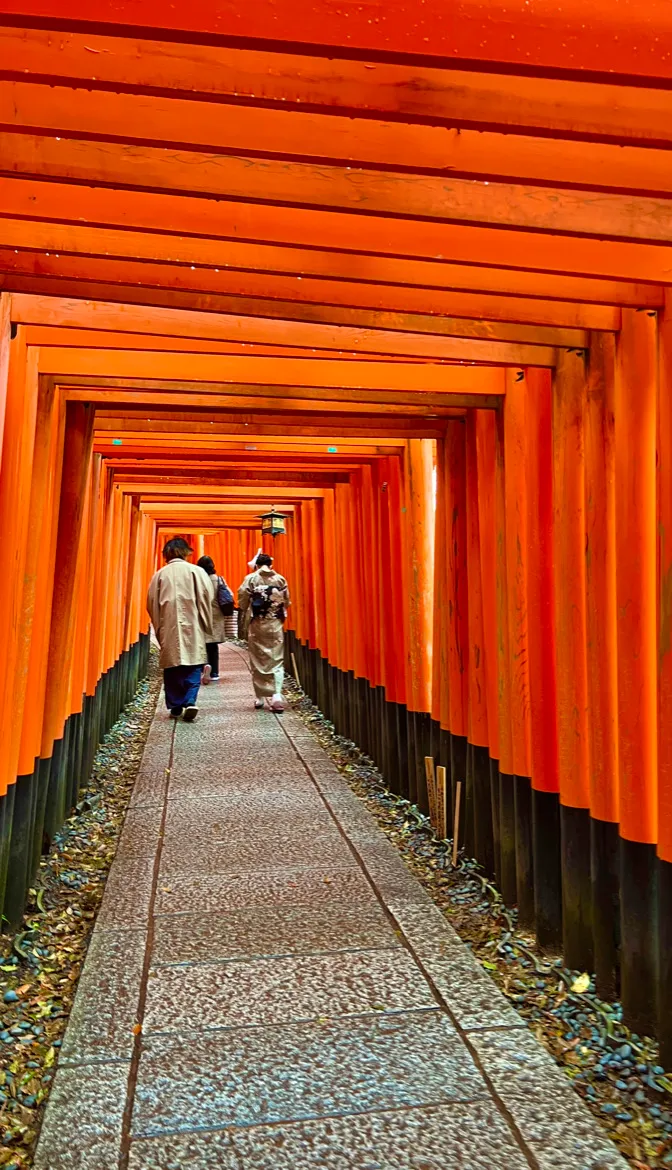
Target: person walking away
(244, 612)
(222, 607)
(267, 599)
(179, 603)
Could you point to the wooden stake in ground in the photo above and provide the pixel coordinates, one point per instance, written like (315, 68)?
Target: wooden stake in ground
(441, 811)
(296, 671)
(456, 825)
(431, 790)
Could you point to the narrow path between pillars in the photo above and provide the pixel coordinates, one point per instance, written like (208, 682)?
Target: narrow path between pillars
(269, 987)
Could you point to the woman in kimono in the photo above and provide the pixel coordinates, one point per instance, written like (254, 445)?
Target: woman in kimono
(244, 613)
(266, 599)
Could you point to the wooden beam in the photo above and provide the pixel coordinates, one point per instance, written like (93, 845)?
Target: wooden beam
(43, 335)
(223, 265)
(303, 226)
(158, 121)
(407, 92)
(362, 428)
(281, 400)
(282, 404)
(475, 306)
(312, 372)
(546, 209)
(551, 38)
(377, 333)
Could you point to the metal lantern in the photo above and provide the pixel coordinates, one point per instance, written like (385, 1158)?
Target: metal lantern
(273, 523)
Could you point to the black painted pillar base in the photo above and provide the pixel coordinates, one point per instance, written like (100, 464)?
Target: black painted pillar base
(423, 725)
(507, 838)
(6, 817)
(402, 738)
(605, 877)
(639, 936)
(494, 805)
(20, 850)
(664, 1030)
(577, 909)
(484, 848)
(522, 803)
(458, 772)
(547, 871)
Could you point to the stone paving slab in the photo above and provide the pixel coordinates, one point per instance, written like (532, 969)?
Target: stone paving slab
(222, 818)
(82, 1128)
(302, 1001)
(246, 1076)
(285, 989)
(255, 932)
(265, 850)
(316, 885)
(439, 1137)
(106, 1007)
(557, 1127)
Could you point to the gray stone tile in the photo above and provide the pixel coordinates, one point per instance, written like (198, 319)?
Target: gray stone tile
(191, 785)
(426, 928)
(140, 832)
(128, 893)
(248, 1076)
(289, 886)
(263, 931)
(83, 1122)
(283, 990)
(439, 1137)
(222, 817)
(352, 815)
(106, 1005)
(150, 786)
(469, 993)
(284, 847)
(552, 1120)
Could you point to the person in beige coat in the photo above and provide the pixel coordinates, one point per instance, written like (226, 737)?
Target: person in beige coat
(179, 603)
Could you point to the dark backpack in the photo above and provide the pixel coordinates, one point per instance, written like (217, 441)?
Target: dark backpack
(224, 598)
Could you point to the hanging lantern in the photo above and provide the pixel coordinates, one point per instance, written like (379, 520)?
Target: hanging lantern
(273, 523)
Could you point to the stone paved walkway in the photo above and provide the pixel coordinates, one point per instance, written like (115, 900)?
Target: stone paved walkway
(302, 1002)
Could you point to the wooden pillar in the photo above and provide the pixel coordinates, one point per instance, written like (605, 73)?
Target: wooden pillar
(664, 1029)
(76, 460)
(516, 501)
(457, 603)
(16, 472)
(507, 818)
(486, 424)
(15, 489)
(478, 759)
(569, 539)
(542, 662)
(600, 500)
(636, 543)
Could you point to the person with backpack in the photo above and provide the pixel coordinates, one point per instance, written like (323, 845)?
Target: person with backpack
(222, 607)
(266, 599)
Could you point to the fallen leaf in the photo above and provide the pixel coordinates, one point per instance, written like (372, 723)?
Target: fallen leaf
(581, 984)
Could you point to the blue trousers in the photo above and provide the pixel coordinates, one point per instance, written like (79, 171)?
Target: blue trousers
(181, 684)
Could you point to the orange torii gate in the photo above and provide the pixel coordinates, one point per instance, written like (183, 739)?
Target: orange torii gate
(406, 273)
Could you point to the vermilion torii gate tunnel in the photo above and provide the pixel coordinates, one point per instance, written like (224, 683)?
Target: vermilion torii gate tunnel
(401, 271)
